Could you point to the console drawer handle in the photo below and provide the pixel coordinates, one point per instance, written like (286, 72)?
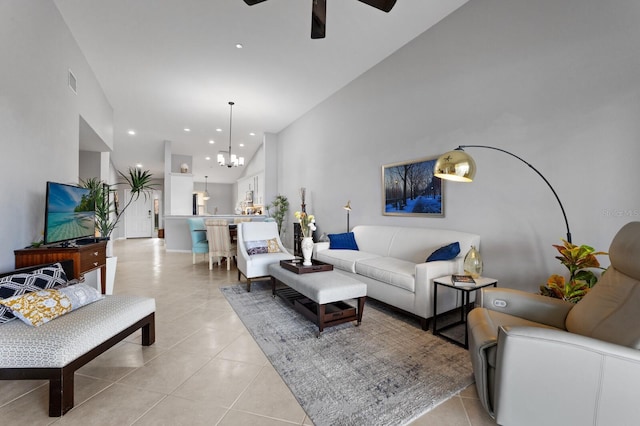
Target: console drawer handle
(95, 254)
(95, 263)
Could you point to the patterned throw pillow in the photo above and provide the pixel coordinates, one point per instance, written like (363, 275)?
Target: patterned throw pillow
(39, 307)
(256, 247)
(17, 284)
(272, 246)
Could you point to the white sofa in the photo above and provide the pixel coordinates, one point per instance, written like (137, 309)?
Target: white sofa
(391, 261)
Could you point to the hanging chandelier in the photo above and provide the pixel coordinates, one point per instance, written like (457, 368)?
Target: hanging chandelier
(226, 158)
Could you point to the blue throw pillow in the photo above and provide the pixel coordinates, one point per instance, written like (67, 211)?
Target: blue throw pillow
(447, 252)
(345, 241)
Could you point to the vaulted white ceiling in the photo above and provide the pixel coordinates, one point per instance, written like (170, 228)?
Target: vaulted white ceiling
(167, 65)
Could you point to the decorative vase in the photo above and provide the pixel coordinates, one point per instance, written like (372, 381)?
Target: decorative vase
(307, 250)
(109, 247)
(473, 263)
(112, 263)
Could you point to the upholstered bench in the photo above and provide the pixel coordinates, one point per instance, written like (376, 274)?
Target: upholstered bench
(56, 349)
(326, 293)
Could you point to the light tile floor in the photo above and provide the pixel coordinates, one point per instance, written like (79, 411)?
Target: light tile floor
(204, 369)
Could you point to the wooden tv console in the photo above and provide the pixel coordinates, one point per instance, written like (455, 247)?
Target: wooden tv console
(85, 258)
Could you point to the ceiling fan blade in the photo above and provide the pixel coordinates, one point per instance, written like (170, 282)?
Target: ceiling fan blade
(252, 2)
(384, 5)
(318, 18)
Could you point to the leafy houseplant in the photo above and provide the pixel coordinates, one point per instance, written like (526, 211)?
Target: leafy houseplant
(107, 212)
(281, 206)
(578, 259)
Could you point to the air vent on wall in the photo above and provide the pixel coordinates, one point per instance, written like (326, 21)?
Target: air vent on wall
(73, 82)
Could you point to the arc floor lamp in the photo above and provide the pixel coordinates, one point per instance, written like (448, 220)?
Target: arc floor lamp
(459, 166)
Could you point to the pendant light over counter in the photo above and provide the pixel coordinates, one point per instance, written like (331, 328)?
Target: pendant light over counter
(206, 192)
(226, 158)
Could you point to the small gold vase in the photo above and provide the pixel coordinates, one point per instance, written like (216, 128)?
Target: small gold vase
(473, 263)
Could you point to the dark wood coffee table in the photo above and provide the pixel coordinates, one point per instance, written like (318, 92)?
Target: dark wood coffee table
(320, 296)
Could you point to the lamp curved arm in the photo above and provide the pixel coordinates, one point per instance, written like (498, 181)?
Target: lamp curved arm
(564, 215)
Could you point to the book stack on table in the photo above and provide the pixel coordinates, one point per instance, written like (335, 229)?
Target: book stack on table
(462, 280)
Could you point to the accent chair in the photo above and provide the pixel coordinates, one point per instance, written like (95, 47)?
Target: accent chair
(539, 360)
(198, 232)
(259, 246)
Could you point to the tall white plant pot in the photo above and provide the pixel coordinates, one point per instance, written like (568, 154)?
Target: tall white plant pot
(109, 248)
(112, 262)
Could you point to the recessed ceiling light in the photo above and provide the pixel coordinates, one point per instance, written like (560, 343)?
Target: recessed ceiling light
(239, 46)
(212, 142)
(186, 129)
(132, 132)
(207, 158)
(252, 134)
(139, 165)
(218, 130)
(241, 144)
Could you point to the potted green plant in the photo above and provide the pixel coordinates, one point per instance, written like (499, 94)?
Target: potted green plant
(108, 213)
(280, 205)
(580, 260)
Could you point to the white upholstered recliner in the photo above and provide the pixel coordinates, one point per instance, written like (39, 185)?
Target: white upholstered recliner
(543, 361)
(255, 265)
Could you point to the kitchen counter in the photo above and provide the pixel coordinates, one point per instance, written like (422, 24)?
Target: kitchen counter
(176, 229)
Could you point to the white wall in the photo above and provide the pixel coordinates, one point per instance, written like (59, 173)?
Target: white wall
(555, 82)
(221, 196)
(39, 116)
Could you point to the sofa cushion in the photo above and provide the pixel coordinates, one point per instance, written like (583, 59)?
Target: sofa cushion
(21, 283)
(264, 259)
(396, 272)
(448, 252)
(344, 259)
(609, 311)
(39, 307)
(345, 241)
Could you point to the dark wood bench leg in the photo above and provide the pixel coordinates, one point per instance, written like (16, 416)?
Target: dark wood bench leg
(61, 393)
(361, 301)
(321, 313)
(149, 332)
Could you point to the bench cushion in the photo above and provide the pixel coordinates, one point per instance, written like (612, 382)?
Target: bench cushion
(58, 342)
(321, 287)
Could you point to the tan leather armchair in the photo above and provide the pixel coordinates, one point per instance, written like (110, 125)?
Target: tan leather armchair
(539, 360)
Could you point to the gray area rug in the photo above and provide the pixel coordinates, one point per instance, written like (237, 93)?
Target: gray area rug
(388, 371)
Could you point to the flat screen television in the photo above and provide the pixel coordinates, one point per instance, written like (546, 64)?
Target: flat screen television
(69, 213)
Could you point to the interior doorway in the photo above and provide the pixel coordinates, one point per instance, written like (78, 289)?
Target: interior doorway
(138, 218)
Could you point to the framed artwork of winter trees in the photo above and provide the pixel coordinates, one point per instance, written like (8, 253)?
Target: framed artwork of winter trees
(410, 189)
